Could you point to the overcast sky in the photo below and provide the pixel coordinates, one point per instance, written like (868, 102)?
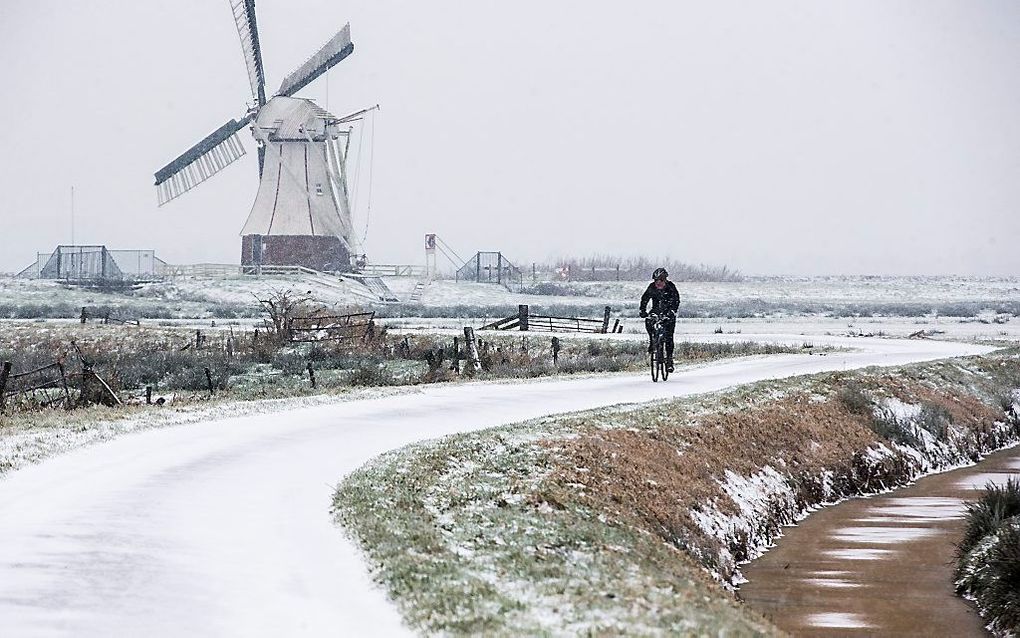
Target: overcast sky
(780, 137)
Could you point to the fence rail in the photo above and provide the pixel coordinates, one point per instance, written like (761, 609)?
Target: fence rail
(525, 321)
(356, 325)
(32, 383)
(392, 270)
(107, 317)
(200, 270)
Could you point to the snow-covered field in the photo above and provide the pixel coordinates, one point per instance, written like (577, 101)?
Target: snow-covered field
(223, 528)
(931, 291)
(843, 296)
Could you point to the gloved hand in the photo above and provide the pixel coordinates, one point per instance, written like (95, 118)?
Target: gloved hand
(644, 315)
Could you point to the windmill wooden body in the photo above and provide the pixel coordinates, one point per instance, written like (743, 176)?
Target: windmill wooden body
(301, 215)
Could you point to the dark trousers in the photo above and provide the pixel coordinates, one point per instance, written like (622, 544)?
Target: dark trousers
(668, 326)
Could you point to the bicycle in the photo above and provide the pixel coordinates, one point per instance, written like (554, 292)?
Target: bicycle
(658, 356)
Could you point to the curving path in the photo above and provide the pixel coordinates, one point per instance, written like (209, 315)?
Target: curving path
(222, 528)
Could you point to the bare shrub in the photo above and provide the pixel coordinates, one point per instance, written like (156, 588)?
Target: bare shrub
(281, 307)
(853, 398)
(611, 267)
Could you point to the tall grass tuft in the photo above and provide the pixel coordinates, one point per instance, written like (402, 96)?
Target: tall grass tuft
(986, 515)
(988, 557)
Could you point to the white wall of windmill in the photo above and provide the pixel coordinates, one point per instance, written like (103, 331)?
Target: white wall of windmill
(295, 194)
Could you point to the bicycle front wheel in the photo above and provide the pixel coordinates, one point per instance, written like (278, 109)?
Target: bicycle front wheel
(654, 357)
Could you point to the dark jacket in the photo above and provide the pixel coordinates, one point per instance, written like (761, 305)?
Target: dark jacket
(667, 299)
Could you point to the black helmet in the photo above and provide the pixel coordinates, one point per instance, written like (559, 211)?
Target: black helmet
(660, 273)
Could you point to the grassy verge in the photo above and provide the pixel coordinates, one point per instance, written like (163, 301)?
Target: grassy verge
(634, 520)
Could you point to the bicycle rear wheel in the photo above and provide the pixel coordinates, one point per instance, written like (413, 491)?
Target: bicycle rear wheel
(664, 370)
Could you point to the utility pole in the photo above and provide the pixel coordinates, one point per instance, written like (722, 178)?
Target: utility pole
(72, 215)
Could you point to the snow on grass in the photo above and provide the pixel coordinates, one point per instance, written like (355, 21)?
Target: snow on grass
(467, 550)
(755, 497)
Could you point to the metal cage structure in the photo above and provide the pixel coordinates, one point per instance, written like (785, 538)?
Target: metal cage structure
(81, 263)
(491, 268)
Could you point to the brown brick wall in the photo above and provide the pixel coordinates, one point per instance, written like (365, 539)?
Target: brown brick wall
(317, 252)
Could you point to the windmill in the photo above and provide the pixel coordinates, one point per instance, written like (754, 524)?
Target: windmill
(301, 215)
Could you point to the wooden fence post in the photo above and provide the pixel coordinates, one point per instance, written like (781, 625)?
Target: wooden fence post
(605, 321)
(63, 382)
(471, 348)
(556, 350)
(522, 316)
(455, 359)
(311, 374)
(198, 339)
(616, 326)
(148, 395)
(208, 379)
(84, 314)
(5, 373)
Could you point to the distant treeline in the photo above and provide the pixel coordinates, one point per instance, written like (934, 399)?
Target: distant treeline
(610, 268)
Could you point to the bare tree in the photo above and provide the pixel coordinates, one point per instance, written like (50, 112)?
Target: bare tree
(281, 307)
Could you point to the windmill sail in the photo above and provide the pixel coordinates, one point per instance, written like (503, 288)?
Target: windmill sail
(338, 48)
(203, 160)
(244, 18)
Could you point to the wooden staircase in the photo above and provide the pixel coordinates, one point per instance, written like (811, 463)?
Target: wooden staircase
(419, 290)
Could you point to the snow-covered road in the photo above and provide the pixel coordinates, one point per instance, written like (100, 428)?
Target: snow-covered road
(223, 528)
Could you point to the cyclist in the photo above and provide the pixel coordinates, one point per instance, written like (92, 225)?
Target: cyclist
(665, 300)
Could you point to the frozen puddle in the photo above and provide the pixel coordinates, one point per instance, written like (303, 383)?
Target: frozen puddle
(858, 554)
(833, 583)
(881, 535)
(838, 620)
(919, 509)
(979, 481)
